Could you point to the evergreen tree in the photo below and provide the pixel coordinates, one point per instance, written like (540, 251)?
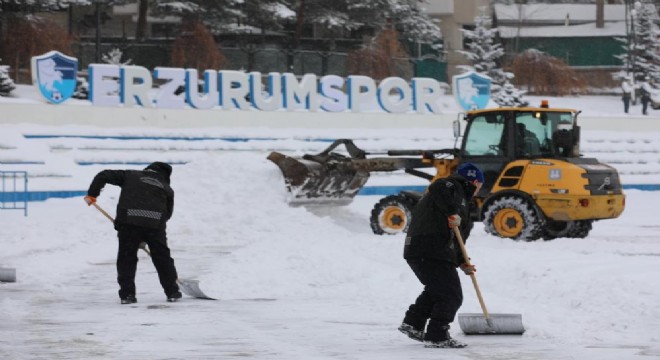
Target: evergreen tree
(114, 57)
(222, 16)
(6, 83)
(484, 54)
(510, 96)
(648, 45)
(641, 55)
(510, 2)
(337, 16)
(82, 89)
(29, 6)
(405, 16)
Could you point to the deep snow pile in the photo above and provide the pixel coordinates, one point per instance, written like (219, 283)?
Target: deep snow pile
(300, 283)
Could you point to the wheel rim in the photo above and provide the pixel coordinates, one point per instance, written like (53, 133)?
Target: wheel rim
(508, 222)
(394, 219)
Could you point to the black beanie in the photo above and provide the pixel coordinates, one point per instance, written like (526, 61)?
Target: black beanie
(161, 167)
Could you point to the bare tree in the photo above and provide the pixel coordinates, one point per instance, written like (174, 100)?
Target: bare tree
(541, 73)
(383, 56)
(195, 48)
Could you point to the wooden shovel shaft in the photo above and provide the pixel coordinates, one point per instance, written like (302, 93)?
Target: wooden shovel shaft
(103, 212)
(461, 243)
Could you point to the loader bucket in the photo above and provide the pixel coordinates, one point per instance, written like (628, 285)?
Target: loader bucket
(311, 180)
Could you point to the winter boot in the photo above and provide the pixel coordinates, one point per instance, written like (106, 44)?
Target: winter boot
(441, 339)
(411, 332)
(443, 344)
(174, 297)
(130, 299)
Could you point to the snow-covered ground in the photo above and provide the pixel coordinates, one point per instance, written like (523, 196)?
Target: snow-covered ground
(297, 283)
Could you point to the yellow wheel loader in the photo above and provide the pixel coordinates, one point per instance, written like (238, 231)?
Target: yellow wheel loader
(536, 183)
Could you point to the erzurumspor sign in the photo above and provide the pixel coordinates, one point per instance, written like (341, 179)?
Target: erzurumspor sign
(113, 85)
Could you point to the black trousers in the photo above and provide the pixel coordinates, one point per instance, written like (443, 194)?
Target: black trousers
(626, 104)
(645, 105)
(439, 301)
(129, 244)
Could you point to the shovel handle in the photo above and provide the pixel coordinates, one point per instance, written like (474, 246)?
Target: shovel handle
(461, 243)
(104, 212)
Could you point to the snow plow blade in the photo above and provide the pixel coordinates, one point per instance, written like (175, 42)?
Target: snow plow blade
(332, 178)
(316, 182)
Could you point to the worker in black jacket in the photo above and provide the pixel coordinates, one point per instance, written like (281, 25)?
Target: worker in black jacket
(433, 253)
(145, 205)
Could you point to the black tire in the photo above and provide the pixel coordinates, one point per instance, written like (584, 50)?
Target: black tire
(557, 229)
(391, 215)
(581, 229)
(515, 218)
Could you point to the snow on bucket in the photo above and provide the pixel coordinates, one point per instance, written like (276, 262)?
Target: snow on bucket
(7, 275)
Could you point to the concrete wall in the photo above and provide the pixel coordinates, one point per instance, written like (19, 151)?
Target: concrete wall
(12, 113)
(188, 118)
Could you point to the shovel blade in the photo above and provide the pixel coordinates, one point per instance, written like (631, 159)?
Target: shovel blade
(191, 288)
(498, 324)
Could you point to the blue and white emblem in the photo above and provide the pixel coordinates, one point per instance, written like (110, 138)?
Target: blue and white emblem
(54, 74)
(554, 174)
(472, 90)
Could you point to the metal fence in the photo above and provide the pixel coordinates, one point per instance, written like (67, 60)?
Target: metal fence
(14, 194)
(261, 59)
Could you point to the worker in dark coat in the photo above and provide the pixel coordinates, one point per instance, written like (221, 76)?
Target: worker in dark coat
(433, 253)
(145, 205)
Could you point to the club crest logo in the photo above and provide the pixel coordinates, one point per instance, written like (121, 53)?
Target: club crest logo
(472, 90)
(54, 74)
(555, 174)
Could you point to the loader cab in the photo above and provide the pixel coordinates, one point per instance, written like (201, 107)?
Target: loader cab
(495, 137)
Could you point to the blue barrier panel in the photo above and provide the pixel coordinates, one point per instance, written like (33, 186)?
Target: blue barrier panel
(41, 195)
(645, 187)
(389, 190)
(19, 162)
(11, 197)
(139, 163)
(180, 138)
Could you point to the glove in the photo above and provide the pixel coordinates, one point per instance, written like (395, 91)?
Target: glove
(90, 200)
(468, 269)
(454, 221)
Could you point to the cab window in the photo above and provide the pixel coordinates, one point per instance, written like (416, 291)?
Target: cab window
(535, 131)
(485, 135)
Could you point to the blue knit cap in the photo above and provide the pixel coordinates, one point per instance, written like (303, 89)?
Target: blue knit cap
(470, 172)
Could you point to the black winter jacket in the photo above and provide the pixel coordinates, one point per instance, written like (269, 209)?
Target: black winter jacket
(146, 198)
(429, 235)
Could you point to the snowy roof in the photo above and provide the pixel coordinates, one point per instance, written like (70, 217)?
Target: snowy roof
(583, 30)
(556, 13)
(281, 10)
(159, 19)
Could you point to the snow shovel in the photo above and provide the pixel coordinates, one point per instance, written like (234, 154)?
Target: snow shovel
(486, 323)
(187, 286)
